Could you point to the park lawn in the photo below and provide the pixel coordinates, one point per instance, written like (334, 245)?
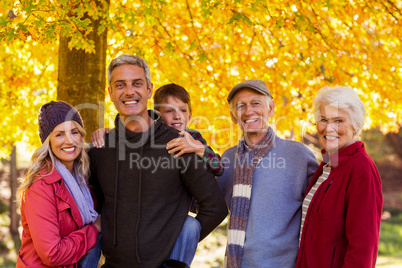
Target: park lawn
(212, 249)
(390, 246)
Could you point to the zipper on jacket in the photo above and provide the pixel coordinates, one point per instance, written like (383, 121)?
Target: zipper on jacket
(137, 256)
(139, 209)
(326, 189)
(323, 195)
(116, 178)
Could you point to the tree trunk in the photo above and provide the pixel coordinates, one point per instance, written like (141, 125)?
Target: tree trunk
(14, 217)
(82, 78)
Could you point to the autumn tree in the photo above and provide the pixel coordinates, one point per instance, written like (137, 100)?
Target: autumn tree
(82, 76)
(208, 46)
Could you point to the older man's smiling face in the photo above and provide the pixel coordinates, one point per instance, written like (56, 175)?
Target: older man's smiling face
(252, 111)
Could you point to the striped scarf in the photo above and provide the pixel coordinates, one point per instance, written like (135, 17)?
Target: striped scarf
(241, 198)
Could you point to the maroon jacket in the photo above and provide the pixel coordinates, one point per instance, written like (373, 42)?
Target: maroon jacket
(53, 234)
(342, 224)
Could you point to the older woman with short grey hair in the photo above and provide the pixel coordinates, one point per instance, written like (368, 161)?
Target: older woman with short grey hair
(341, 211)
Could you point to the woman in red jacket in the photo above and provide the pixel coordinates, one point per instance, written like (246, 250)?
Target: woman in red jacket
(341, 211)
(58, 218)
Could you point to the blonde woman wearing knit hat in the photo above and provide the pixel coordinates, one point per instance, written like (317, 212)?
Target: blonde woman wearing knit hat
(60, 224)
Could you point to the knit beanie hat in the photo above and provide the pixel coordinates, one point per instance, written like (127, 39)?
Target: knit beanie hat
(53, 113)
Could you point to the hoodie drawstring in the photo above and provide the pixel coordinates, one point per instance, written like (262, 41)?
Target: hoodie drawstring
(115, 195)
(139, 209)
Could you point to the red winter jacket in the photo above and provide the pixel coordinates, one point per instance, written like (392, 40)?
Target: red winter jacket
(53, 235)
(342, 224)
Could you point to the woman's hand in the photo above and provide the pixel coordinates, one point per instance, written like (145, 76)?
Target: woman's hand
(97, 137)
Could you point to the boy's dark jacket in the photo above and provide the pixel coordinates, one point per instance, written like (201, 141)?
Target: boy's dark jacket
(144, 194)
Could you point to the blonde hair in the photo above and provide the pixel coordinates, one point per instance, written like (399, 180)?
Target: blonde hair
(43, 160)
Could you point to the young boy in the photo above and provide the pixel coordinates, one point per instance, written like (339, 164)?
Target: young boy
(173, 103)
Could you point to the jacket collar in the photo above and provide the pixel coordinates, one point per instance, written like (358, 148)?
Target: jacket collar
(50, 175)
(128, 135)
(336, 158)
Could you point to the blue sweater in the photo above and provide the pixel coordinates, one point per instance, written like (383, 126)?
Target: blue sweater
(279, 185)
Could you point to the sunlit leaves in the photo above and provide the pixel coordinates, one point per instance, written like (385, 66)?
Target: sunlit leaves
(208, 46)
(296, 47)
(45, 21)
(27, 76)
(240, 17)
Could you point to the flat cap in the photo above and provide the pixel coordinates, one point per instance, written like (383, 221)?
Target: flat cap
(256, 85)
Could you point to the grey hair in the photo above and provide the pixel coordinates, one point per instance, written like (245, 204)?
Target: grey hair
(344, 98)
(130, 60)
(268, 101)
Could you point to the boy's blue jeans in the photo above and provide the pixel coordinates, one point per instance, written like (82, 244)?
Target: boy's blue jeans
(91, 259)
(186, 243)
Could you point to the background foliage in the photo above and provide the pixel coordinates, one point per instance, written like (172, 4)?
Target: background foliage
(208, 46)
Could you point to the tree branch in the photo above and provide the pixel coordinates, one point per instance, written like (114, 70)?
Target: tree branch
(251, 43)
(196, 35)
(394, 6)
(174, 42)
(386, 8)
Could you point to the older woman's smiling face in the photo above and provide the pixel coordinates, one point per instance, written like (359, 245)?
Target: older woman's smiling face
(334, 127)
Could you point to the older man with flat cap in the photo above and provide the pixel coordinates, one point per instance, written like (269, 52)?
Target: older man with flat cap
(264, 183)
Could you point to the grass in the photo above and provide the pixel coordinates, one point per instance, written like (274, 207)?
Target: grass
(389, 262)
(390, 245)
(211, 250)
